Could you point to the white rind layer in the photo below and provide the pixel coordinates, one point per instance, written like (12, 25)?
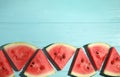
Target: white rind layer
(111, 73)
(63, 44)
(12, 75)
(82, 75)
(41, 75)
(98, 43)
(18, 44)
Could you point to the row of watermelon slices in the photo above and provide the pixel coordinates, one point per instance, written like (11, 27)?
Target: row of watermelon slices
(35, 62)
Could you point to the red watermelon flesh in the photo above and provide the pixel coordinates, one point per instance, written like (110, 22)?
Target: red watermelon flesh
(5, 68)
(39, 66)
(98, 52)
(60, 54)
(112, 66)
(19, 53)
(82, 67)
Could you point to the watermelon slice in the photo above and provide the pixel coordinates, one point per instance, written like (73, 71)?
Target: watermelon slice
(112, 67)
(5, 68)
(39, 66)
(98, 52)
(19, 53)
(60, 54)
(82, 67)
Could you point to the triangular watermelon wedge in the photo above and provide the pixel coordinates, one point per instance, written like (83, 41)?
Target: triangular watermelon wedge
(98, 52)
(81, 66)
(5, 67)
(112, 64)
(60, 54)
(39, 66)
(19, 53)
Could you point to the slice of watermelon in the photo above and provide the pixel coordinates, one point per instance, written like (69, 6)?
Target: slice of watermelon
(112, 67)
(60, 54)
(5, 68)
(39, 66)
(19, 53)
(98, 52)
(82, 67)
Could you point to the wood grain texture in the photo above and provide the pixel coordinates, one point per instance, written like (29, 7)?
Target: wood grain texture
(76, 22)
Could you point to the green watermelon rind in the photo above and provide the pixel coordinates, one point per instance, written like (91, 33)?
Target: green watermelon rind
(41, 75)
(64, 44)
(20, 43)
(81, 75)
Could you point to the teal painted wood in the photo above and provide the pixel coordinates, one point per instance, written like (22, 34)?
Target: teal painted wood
(76, 22)
(36, 11)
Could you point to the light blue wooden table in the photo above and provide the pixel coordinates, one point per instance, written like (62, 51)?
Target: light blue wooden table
(76, 22)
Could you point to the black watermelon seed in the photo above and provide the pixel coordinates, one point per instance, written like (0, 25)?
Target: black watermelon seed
(63, 56)
(97, 52)
(82, 60)
(55, 53)
(112, 62)
(42, 67)
(33, 62)
(88, 68)
(31, 65)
